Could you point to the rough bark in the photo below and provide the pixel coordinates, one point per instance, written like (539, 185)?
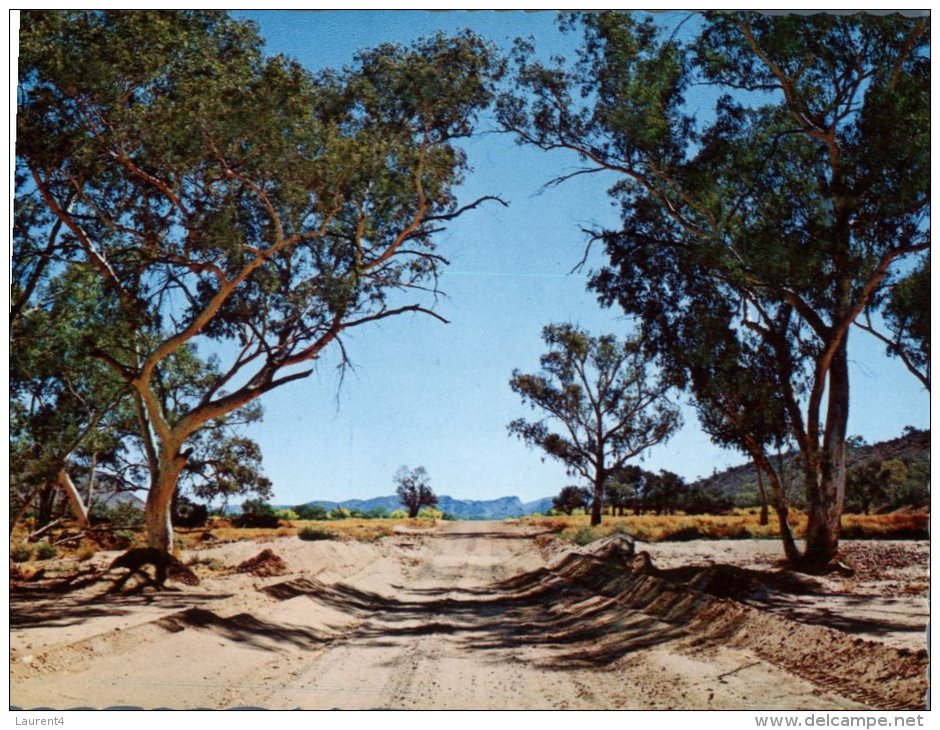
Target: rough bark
(764, 516)
(598, 501)
(826, 493)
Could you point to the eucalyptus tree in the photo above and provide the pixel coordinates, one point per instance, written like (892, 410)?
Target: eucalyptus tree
(235, 201)
(570, 498)
(772, 222)
(906, 314)
(601, 395)
(61, 400)
(414, 489)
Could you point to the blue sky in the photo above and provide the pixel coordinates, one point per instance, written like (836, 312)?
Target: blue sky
(425, 393)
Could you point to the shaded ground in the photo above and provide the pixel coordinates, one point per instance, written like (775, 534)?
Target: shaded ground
(481, 615)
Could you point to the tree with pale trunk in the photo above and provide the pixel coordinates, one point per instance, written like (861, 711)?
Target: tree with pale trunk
(765, 227)
(234, 201)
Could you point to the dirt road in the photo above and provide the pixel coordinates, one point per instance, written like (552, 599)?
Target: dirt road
(471, 615)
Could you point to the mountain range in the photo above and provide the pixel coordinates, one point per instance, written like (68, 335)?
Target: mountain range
(467, 509)
(739, 483)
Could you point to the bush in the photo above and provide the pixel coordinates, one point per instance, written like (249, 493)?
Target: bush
(398, 514)
(310, 512)
(287, 514)
(123, 515)
(256, 513)
(315, 533)
(339, 513)
(376, 513)
(45, 551)
(21, 553)
(429, 513)
(190, 514)
(583, 536)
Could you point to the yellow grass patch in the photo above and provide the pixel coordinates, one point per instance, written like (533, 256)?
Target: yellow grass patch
(743, 524)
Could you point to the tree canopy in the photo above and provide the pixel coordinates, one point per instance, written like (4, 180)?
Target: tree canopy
(601, 395)
(222, 196)
(754, 236)
(414, 489)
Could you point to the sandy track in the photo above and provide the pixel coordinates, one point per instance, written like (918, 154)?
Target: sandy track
(468, 616)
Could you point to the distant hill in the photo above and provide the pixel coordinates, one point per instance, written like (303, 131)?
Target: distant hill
(740, 482)
(467, 509)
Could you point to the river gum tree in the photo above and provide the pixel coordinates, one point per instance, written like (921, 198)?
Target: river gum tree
(774, 221)
(235, 201)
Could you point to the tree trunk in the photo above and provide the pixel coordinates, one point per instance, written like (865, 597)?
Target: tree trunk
(75, 499)
(46, 504)
(826, 470)
(160, 498)
(598, 502)
(781, 503)
(789, 544)
(764, 517)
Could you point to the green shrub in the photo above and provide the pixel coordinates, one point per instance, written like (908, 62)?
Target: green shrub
(376, 513)
(398, 514)
(121, 516)
(583, 536)
(429, 513)
(45, 551)
(315, 533)
(256, 513)
(339, 513)
(310, 512)
(287, 514)
(21, 553)
(190, 514)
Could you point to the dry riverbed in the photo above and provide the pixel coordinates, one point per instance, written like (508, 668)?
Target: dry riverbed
(474, 615)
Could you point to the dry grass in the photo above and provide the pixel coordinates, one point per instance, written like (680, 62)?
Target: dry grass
(742, 524)
(350, 529)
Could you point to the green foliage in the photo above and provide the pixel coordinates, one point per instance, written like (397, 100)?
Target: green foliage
(121, 516)
(907, 315)
(414, 489)
(880, 486)
(256, 513)
(190, 514)
(45, 551)
(571, 498)
(398, 514)
(583, 536)
(751, 239)
(376, 513)
(339, 513)
(286, 514)
(599, 391)
(310, 512)
(429, 513)
(227, 199)
(315, 533)
(21, 553)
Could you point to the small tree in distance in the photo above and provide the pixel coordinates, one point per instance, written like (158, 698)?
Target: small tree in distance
(414, 491)
(600, 392)
(571, 498)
